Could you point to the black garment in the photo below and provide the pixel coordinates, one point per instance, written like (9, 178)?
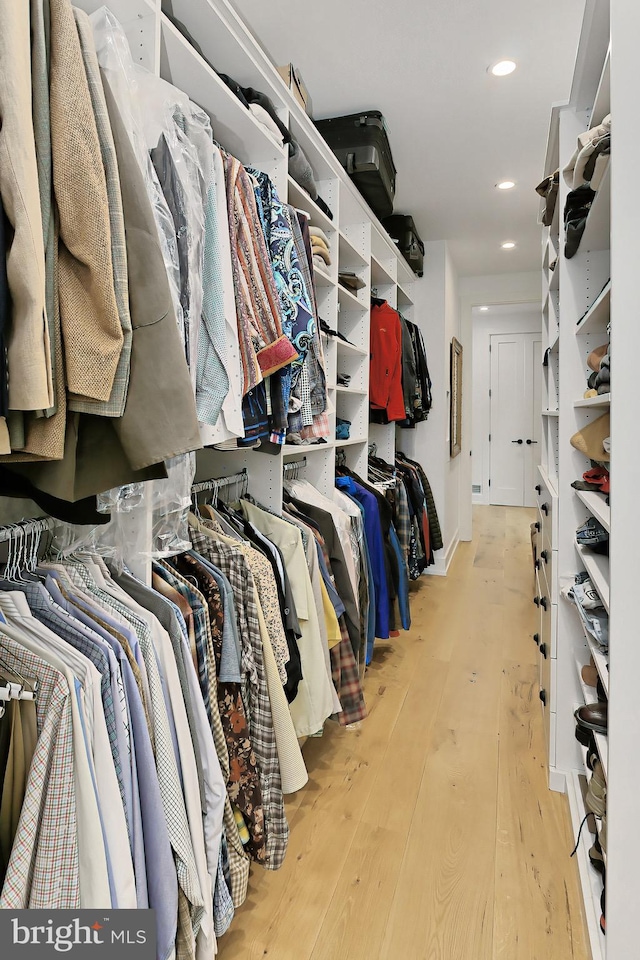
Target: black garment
(254, 96)
(84, 512)
(576, 210)
(5, 314)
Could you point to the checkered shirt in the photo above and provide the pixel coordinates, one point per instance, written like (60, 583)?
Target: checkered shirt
(43, 869)
(237, 570)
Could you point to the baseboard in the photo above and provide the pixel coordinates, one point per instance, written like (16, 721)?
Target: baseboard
(437, 569)
(557, 780)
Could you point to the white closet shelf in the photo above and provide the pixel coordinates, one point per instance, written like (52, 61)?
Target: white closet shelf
(233, 125)
(550, 413)
(322, 278)
(555, 343)
(597, 566)
(350, 257)
(348, 299)
(597, 316)
(602, 744)
(350, 348)
(301, 199)
(356, 391)
(404, 299)
(599, 658)
(304, 449)
(596, 505)
(380, 275)
(590, 879)
(554, 282)
(602, 401)
(597, 233)
(351, 441)
(602, 102)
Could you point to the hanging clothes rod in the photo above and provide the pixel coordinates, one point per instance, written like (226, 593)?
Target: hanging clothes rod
(291, 470)
(23, 528)
(218, 483)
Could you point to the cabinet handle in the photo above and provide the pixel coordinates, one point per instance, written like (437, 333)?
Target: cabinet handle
(543, 696)
(529, 442)
(543, 650)
(536, 639)
(538, 526)
(545, 509)
(544, 603)
(517, 441)
(538, 488)
(537, 564)
(544, 554)
(536, 600)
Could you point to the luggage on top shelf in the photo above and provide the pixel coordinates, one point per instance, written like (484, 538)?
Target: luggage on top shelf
(402, 229)
(361, 144)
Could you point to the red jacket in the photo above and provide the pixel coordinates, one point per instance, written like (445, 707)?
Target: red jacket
(385, 370)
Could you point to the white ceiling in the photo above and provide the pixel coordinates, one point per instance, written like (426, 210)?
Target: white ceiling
(455, 130)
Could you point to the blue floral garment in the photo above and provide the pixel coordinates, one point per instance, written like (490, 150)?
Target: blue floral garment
(296, 310)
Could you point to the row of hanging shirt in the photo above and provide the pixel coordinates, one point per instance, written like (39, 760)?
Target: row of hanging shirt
(152, 764)
(155, 222)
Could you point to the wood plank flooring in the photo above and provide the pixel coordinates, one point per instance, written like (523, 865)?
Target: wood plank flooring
(429, 832)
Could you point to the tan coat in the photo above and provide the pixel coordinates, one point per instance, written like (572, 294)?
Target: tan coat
(30, 386)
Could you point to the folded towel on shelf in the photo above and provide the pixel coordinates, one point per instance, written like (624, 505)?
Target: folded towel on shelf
(319, 234)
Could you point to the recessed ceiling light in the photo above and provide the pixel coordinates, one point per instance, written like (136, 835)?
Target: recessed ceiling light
(484, 308)
(506, 185)
(508, 245)
(503, 68)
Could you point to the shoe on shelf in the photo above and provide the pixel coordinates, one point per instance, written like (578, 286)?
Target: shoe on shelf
(586, 738)
(603, 922)
(593, 716)
(589, 675)
(602, 696)
(596, 796)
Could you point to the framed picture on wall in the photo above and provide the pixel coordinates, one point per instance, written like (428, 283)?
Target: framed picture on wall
(455, 424)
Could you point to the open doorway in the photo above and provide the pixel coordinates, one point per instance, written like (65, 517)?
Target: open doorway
(506, 402)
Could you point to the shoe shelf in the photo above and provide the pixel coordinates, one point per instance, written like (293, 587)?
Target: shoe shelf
(599, 658)
(550, 413)
(602, 401)
(597, 566)
(602, 744)
(597, 316)
(597, 507)
(597, 233)
(554, 283)
(590, 879)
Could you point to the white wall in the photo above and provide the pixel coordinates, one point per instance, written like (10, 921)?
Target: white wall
(476, 291)
(437, 314)
(484, 326)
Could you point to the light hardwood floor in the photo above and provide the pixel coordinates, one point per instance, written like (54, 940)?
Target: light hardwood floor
(429, 833)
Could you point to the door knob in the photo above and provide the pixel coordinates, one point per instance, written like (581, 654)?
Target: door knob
(529, 442)
(538, 488)
(516, 441)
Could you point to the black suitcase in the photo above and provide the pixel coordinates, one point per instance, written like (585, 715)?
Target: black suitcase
(361, 144)
(402, 229)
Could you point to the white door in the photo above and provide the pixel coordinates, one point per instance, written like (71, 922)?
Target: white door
(515, 417)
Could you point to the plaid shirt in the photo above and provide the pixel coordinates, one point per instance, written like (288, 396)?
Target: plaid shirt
(236, 568)
(43, 869)
(238, 860)
(402, 517)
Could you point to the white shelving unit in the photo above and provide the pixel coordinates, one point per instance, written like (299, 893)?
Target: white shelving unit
(357, 240)
(596, 297)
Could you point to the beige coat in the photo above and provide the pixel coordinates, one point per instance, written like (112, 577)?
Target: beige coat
(30, 386)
